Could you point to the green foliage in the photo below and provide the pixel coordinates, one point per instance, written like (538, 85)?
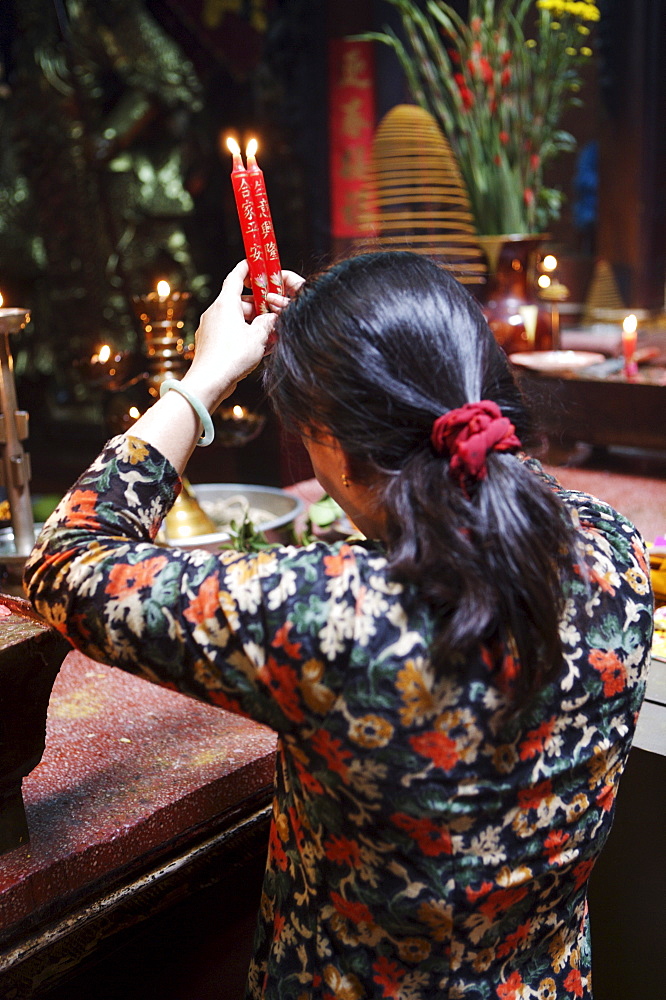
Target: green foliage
(498, 84)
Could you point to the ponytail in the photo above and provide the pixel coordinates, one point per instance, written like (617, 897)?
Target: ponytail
(390, 355)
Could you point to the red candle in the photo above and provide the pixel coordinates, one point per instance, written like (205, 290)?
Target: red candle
(629, 339)
(258, 187)
(250, 228)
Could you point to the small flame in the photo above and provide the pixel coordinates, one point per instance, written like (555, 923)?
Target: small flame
(544, 281)
(163, 289)
(252, 147)
(1, 300)
(104, 354)
(630, 324)
(237, 411)
(233, 146)
(134, 413)
(549, 263)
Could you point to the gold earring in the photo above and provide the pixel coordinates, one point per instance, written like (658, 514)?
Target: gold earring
(345, 480)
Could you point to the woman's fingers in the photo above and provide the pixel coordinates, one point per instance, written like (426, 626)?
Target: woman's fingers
(292, 282)
(236, 282)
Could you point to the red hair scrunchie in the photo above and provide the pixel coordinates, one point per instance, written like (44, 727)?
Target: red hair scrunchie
(468, 433)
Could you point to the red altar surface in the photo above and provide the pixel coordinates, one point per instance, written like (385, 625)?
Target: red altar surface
(136, 785)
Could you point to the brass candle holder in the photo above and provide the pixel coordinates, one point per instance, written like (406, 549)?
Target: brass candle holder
(237, 425)
(168, 353)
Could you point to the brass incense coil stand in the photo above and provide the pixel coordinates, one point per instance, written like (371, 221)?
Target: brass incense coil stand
(417, 197)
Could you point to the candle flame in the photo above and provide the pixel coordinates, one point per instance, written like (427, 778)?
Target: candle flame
(251, 148)
(104, 354)
(163, 289)
(133, 413)
(630, 324)
(237, 411)
(233, 146)
(549, 263)
(1, 299)
(543, 281)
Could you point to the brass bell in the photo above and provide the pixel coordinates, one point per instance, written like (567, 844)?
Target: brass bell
(186, 519)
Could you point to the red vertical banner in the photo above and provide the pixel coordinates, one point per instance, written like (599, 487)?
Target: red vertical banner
(351, 131)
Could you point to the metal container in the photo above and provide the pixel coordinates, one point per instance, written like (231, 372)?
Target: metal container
(282, 508)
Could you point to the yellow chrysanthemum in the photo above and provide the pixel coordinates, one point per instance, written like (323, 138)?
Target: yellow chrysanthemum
(585, 11)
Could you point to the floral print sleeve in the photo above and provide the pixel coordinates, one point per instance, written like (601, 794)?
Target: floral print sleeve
(424, 843)
(211, 625)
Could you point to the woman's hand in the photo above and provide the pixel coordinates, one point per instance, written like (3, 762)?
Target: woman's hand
(232, 337)
(230, 342)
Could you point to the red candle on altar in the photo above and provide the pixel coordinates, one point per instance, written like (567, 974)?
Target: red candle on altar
(255, 177)
(250, 228)
(629, 339)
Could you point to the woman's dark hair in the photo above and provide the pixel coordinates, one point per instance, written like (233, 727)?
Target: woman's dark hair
(373, 351)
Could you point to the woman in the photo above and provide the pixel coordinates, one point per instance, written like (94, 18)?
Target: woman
(455, 698)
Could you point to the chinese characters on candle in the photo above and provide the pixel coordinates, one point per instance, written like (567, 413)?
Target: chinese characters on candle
(256, 225)
(258, 188)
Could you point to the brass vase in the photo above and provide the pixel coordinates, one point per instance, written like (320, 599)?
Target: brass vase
(515, 314)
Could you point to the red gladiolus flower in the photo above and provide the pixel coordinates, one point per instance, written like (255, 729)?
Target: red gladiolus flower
(465, 93)
(528, 195)
(504, 138)
(535, 160)
(486, 71)
(505, 78)
(506, 58)
(475, 24)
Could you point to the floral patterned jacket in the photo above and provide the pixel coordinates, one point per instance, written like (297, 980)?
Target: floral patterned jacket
(421, 846)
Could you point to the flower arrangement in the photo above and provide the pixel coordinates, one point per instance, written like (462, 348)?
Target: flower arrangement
(498, 84)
